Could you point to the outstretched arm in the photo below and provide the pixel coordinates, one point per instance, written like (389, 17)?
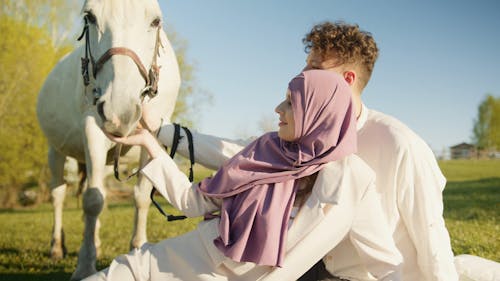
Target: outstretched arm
(209, 151)
(168, 179)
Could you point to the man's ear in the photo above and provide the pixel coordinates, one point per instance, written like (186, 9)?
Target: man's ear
(350, 77)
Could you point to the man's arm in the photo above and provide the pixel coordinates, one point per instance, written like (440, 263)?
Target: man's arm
(369, 251)
(209, 151)
(356, 195)
(420, 203)
(373, 240)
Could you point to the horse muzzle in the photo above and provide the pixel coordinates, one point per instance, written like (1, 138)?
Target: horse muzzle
(120, 123)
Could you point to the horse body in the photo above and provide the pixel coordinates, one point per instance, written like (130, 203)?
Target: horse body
(73, 115)
(61, 107)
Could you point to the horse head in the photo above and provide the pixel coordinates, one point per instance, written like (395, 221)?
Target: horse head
(119, 67)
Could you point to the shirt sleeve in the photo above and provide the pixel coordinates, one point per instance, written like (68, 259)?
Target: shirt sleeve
(209, 151)
(176, 188)
(373, 240)
(420, 204)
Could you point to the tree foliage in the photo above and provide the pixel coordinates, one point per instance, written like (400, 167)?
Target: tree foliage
(486, 132)
(27, 55)
(52, 16)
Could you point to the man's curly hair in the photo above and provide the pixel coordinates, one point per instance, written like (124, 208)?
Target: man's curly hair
(346, 44)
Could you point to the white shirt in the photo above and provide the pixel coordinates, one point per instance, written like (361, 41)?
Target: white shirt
(411, 185)
(407, 177)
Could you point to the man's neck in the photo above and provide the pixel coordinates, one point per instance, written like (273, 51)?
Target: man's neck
(358, 104)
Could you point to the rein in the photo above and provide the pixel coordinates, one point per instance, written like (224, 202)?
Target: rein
(175, 143)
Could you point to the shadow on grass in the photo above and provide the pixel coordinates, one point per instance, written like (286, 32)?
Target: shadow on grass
(34, 265)
(476, 199)
(55, 276)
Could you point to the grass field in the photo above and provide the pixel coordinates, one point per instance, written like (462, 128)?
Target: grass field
(472, 210)
(472, 206)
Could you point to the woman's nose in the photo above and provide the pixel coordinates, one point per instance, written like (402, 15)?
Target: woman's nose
(278, 109)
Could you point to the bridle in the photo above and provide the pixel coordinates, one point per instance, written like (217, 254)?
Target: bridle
(151, 77)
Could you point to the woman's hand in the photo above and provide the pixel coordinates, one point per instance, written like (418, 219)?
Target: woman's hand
(140, 137)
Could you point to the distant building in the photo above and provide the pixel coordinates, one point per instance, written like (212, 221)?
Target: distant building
(463, 151)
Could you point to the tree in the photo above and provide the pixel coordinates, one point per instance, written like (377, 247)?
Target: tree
(52, 16)
(27, 55)
(486, 132)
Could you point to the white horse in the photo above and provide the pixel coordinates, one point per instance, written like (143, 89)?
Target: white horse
(123, 39)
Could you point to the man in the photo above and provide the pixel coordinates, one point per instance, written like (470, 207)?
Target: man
(408, 177)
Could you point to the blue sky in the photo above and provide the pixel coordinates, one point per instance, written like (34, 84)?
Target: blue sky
(438, 59)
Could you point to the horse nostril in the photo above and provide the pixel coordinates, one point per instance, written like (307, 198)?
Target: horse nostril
(100, 110)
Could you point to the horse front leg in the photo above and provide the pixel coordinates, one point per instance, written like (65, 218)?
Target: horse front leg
(58, 192)
(96, 145)
(142, 202)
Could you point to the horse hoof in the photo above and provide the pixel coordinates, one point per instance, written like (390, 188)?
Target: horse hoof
(57, 254)
(136, 244)
(58, 248)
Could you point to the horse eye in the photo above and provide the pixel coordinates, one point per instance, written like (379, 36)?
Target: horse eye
(90, 17)
(156, 22)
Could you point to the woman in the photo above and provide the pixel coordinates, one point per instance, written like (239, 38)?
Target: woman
(274, 210)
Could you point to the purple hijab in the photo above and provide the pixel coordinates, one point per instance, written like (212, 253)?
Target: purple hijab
(257, 185)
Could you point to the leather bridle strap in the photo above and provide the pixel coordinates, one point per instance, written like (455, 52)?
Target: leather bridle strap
(124, 52)
(116, 170)
(151, 77)
(88, 54)
(169, 217)
(191, 152)
(175, 144)
(175, 140)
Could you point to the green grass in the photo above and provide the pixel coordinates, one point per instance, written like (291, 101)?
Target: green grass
(472, 210)
(472, 206)
(26, 234)
(467, 170)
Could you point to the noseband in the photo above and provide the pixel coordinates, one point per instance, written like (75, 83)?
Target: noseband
(151, 77)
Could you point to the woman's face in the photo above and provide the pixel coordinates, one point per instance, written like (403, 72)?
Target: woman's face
(287, 123)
